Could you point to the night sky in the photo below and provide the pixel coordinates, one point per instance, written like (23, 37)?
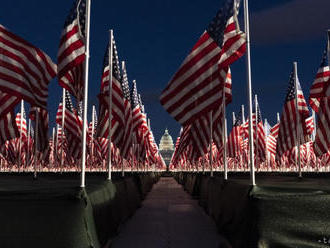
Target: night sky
(153, 37)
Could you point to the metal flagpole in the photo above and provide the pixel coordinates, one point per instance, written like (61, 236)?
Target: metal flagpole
(297, 117)
(53, 136)
(314, 122)
(278, 117)
(256, 112)
(92, 136)
(110, 99)
(243, 121)
(83, 159)
(225, 165)
(266, 134)
(211, 141)
(56, 151)
(27, 160)
(20, 137)
(63, 124)
(233, 123)
(248, 74)
(36, 144)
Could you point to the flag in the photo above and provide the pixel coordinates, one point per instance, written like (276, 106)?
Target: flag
(320, 102)
(118, 106)
(320, 86)
(259, 136)
(72, 125)
(287, 134)
(41, 132)
(235, 139)
(8, 128)
(127, 142)
(195, 87)
(71, 53)
(25, 71)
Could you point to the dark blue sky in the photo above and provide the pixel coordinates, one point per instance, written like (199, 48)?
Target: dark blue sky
(153, 37)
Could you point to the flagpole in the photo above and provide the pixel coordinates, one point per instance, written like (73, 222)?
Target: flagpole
(243, 121)
(53, 136)
(211, 141)
(314, 122)
(297, 117)
(248, 74)
(110, 99)
(92, 136)
(225, 165)
(63, 124)
(36, 143)
(20, 136)
(56, 151)
(256, 111)
(27, 160)
(233, 123)
(83, 159)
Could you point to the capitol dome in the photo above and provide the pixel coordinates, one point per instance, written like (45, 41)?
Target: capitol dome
(166, 142)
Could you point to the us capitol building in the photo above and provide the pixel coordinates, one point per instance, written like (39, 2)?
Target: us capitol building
(166, 147)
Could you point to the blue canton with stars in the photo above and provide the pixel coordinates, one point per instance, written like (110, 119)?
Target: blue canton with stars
(134, 96)
(238, 120)
(291, 92)
(324, 61)
(78, 11)
(68, 101)
(216, 28)
(115, 61)
(124, 85)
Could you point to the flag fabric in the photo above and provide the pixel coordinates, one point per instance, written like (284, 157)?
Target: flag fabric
(127, 139)
(259, 135)
(320, 87)
(322, 138)
(287, 136)
(118, 106)
(71, 53)
(21, 128)
(235, 139)
(41, 132)
(8, 128)
(25, 71)
(195, 87)
(320, 102)
(72, 126)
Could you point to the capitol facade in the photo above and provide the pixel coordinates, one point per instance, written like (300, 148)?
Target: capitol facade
(166, 147)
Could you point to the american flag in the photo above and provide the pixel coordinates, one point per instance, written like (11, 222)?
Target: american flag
(320, 102)
(127, 142)
(287, 136)
(320, 86)
(322, 138)
(71, 53)
(41, 132)
(22, 128)
(8, 127)
(25, 71)
(259, 135)
(118, 106)
(72, 125)
(140, 127)
(235, 139)
(195, 87)
(200, 127)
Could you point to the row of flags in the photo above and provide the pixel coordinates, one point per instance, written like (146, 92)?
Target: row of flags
(199, 91)
(120, 135)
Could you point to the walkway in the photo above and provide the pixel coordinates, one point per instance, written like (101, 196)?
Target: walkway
(168, 218)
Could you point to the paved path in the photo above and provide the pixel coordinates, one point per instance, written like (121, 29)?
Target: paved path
(169, 218)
